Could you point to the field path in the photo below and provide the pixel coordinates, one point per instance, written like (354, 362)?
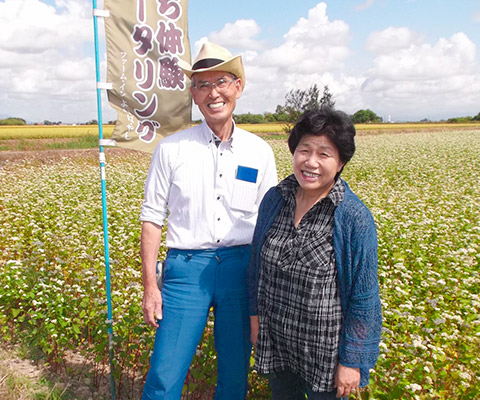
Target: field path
(49, 156)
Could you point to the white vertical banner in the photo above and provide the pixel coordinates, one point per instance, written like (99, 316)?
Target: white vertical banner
(145, 39)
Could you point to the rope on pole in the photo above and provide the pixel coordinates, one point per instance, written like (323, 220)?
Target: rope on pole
(96, 14)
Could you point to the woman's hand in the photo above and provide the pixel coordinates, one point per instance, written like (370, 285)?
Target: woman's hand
(346, 380)
(254, 326)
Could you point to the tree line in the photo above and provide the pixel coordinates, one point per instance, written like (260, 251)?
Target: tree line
(13, 121)
(297, 101)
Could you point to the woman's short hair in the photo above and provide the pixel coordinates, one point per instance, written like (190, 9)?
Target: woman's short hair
(334, 124)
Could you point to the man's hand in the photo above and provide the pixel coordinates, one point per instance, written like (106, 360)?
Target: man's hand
(254, 327)
(152, 306)
(346, 380)
(152, 298)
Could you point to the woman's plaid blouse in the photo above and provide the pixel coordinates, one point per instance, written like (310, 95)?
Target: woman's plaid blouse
(298, 299)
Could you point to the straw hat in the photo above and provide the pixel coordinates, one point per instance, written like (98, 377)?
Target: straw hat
(213, 57)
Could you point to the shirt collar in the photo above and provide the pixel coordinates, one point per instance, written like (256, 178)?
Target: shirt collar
(288, 188)
(210, 136)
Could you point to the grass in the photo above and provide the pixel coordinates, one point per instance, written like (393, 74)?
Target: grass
(25, 384)
(31, 389)
(82, 142)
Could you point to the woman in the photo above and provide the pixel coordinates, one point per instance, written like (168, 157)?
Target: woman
(314, 301)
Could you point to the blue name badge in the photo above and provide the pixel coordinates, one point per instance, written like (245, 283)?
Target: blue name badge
(247, 174)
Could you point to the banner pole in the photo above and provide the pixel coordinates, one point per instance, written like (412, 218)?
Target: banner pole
(109, 320)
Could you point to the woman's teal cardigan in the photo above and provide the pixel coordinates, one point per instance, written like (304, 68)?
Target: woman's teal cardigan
(355, 247)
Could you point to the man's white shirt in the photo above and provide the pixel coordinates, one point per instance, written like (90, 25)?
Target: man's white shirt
(210, 194)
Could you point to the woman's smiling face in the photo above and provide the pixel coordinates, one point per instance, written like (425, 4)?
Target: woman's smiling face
(316, 162)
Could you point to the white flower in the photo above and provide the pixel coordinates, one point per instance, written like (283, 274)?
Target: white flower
(417, 343)
(465, 376)
(414, 387)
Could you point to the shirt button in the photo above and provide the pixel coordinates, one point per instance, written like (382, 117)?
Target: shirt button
(218, 219)
(218, 241)
(218, 197)
(221, 175)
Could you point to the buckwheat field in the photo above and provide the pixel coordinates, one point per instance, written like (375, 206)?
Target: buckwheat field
(423, 189)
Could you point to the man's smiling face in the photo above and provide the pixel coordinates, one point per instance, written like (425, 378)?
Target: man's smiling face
(216, 105)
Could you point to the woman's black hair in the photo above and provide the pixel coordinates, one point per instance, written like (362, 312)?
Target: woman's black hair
(336, 125)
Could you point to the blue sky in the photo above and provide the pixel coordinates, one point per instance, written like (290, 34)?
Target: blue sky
(404, 59)
(436, 18)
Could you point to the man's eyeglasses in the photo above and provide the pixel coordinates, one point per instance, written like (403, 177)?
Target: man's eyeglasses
(221, 84)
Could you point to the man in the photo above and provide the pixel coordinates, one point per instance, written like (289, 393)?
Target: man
(210, 180)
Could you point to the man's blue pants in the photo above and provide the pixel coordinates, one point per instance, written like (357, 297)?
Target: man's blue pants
(193, 282)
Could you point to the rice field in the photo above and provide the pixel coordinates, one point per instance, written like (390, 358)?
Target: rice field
(422, 188)
(73, 131)
(51, 131)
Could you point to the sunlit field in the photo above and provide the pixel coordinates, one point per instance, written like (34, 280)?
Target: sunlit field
(413, 127)
(70, 131)
(422, 188)
(51, 132)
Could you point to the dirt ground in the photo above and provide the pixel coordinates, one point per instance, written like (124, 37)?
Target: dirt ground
(24, 379)
(13, 366)
(74, 380)
(50, 156)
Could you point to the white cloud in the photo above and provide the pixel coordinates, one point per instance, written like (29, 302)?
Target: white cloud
(45, 73)
(392, 39)
(312, 49)
(32, 26)
(366, 4)
(48, 73)
(239, 35)
(408, 77)
(424, 61)
(415, 76)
